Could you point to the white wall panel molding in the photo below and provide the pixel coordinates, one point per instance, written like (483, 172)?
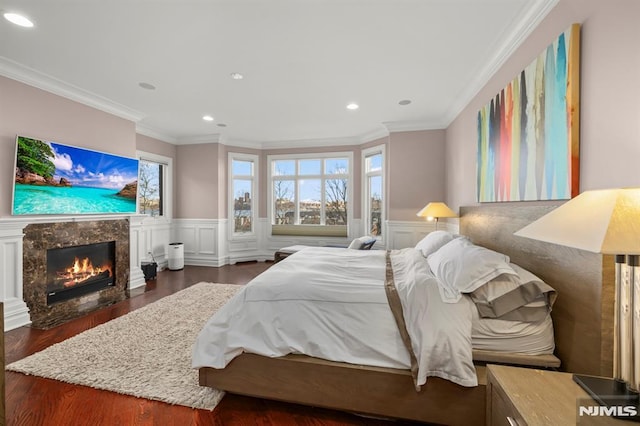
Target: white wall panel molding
(16, 312)
(204, 241)
(403, 234)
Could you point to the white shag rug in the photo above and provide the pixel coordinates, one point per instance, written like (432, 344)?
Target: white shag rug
(145, 353)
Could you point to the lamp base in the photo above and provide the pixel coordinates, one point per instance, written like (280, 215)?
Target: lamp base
(613, 394)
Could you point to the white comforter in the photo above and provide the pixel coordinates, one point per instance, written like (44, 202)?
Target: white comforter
(330, 303)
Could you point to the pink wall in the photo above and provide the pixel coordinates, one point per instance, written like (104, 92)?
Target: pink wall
(32, 112)
(609, 97)
(155, 146)
(415, 172)
(196, 191)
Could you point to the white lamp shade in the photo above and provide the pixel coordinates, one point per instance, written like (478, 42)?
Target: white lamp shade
(436, 210)
(603, 221)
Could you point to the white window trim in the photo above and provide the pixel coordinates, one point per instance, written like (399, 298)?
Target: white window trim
(254, 195)
(313, 156)
(167, 181)
(379, 149)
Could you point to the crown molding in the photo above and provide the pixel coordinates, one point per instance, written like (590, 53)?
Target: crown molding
(412, 126)
(32, 77)
(202, 139)
(529, 18)
(240, 143)
(152, 133)
(375, 134)
(308, 143)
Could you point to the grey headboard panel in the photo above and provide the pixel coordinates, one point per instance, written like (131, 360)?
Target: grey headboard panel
(583, 313)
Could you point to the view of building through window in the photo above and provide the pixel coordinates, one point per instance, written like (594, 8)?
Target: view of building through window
(150, 188)
(242, 190)
(374, 191)
(310, 191)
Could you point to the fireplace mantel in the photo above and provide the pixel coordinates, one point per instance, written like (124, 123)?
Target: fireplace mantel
(16, 312)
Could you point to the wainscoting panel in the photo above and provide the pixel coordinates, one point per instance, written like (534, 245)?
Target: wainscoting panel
(16, 313)
(208, 241)
(203, 240)
(403, 234)
(136, 252)
(157, 238)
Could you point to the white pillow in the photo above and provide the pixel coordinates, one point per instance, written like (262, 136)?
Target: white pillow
(357, 242)
(462, 267)
(433, 241)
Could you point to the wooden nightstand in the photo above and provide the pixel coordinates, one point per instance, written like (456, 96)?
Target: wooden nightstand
(525, 396)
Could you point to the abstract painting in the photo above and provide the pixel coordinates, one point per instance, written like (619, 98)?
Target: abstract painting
(528, 134)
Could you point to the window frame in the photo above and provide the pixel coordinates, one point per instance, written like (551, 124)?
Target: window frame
(321, 229)
(366, 196)
(255, 159)
(166, 185)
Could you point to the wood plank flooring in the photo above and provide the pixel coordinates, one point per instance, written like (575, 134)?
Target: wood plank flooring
(33, 401)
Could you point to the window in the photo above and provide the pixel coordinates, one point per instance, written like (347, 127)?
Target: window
(242, 193)
(154, 185)
(373, 182)
(310, 194)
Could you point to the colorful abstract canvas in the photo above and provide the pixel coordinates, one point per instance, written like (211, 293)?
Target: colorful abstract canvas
(528, 134)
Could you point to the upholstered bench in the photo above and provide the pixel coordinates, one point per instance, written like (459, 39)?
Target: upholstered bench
(286, 251)
(362, 243)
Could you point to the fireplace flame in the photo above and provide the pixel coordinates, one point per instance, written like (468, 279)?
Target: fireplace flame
(83, 270)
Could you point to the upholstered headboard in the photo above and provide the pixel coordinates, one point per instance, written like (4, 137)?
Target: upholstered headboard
(583, 312)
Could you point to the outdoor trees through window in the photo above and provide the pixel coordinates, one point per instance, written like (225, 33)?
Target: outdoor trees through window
(150, 188)
(310, 191)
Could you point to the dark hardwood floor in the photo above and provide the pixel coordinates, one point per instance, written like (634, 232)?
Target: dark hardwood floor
(37, 401)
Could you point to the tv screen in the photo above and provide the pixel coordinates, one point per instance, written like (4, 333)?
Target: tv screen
(52, 178)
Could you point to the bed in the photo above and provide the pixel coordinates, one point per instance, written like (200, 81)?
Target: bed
(380, 389)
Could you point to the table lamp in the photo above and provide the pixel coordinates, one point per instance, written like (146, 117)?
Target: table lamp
(434, 211)
(607, 222)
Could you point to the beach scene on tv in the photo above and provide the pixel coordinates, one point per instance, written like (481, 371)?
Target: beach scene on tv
(52, 178)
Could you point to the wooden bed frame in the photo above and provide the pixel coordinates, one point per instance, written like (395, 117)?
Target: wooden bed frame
(387, 392)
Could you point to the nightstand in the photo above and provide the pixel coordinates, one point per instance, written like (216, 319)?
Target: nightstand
(526, 396)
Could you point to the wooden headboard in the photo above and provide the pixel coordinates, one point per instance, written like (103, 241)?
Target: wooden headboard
(583, 312)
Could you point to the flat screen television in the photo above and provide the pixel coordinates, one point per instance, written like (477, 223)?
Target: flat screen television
(52, 178)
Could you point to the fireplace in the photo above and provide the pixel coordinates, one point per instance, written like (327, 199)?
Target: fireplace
(55, 287)
(78, 270)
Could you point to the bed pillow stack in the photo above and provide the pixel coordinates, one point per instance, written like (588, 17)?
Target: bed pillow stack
(524, 297)
(462, 267)
(434, 240)
(498, 288)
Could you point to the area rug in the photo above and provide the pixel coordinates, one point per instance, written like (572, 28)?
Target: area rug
(145, 353)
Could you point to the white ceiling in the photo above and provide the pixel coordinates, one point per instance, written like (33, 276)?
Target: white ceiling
(303, 62)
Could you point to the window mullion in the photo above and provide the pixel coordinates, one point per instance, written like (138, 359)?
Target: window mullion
(323, 202)
(296, 190)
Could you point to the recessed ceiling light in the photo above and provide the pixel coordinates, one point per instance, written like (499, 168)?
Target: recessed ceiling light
(405, 102)
(18, 19)
(221, 125)
(207, 118)
(237, 76)
(147, 86)
(353, 106)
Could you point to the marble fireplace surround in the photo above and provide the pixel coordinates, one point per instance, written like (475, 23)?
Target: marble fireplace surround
(41, 237)
(23, 245)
